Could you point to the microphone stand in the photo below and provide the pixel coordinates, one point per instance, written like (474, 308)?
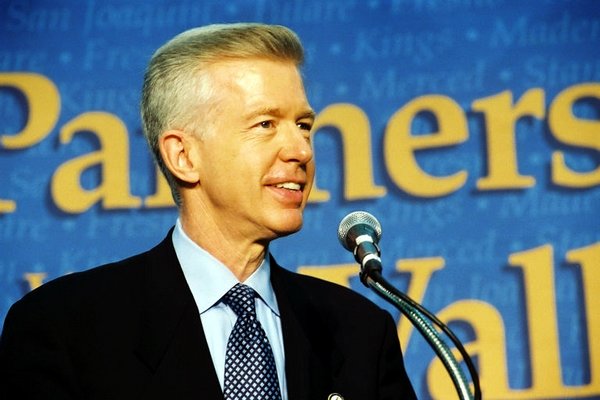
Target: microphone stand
(370, 276)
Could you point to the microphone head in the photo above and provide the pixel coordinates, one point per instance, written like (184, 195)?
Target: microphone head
(355, 224)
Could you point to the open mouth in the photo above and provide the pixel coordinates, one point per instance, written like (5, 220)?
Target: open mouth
(289, 186)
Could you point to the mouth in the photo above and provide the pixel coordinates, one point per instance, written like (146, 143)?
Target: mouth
(289, 193)
(289, 186)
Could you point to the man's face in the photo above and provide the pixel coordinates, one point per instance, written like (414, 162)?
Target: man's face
(255, 161)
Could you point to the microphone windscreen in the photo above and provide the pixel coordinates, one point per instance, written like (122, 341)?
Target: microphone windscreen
(354, 220)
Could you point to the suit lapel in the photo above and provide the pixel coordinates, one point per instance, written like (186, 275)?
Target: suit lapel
(172, 343)
(173, 347)
(297, 348)
(311, 357)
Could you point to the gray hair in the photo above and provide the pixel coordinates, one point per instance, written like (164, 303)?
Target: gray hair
(176, 94)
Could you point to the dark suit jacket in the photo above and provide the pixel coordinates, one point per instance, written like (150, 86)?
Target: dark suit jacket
(131, 330)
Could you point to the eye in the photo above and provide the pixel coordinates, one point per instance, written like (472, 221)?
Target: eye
(305, 126)
(266, 124)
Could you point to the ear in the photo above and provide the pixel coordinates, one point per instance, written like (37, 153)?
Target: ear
(179, 154)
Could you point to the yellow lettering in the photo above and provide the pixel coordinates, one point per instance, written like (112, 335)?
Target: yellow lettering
(538, 277)
(574, 132)
(501, 117)
(7, 206)
(589, 260)
(355, 130)
(113, 158)
(43, 100)
(35, 279)
(489, 345)
(420, 270)
(488, 327)
(400, 146)
(489, 348)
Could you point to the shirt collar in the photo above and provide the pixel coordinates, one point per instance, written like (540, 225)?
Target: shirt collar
(209, 279)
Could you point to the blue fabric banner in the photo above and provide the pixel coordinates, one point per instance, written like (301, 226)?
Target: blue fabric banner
(470, 129)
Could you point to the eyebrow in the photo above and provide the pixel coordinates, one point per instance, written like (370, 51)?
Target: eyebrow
(308, 113)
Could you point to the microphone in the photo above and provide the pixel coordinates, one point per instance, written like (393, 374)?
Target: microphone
(359, 232)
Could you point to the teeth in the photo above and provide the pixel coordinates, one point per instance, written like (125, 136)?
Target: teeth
(289, 185)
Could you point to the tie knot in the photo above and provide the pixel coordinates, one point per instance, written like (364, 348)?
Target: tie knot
(241, 299)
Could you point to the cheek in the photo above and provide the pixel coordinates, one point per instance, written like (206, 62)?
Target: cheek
(221, 158)
(310, 177)
(310, 171)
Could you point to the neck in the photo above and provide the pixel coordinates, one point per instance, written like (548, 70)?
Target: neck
(240, 255)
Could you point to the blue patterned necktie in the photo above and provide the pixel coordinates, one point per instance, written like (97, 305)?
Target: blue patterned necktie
(250, 372)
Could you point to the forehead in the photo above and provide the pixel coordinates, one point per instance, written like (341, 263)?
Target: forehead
(258, 81)
(256, 73)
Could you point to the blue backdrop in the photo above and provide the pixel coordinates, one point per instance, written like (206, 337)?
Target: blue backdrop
(471, 129)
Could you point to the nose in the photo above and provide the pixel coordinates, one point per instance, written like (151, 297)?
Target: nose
(296, 145)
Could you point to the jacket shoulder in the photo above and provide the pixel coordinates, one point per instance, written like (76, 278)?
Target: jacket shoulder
(116, 280)
(330, 297)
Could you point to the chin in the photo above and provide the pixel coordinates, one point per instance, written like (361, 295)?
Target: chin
(287, 224)
(287, 232)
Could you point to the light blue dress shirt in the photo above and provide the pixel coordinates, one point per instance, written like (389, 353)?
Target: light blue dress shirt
(209, 280)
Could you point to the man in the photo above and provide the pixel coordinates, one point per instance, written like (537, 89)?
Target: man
(226, 115)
